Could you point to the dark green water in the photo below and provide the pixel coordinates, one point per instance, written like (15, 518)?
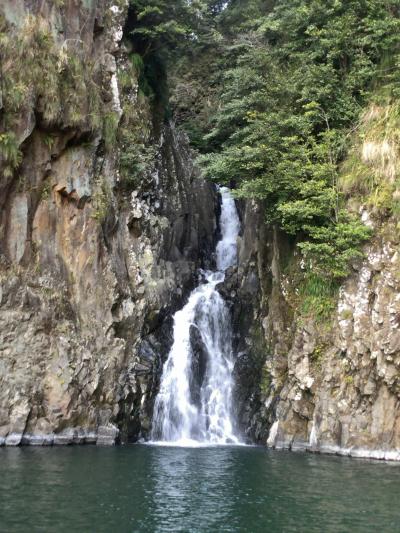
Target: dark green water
(152, 489)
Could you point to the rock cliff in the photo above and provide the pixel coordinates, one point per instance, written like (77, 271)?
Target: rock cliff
(327, 385)
(104, 221)
(96, 252)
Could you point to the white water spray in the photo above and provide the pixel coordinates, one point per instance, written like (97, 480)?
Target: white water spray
(194, 405)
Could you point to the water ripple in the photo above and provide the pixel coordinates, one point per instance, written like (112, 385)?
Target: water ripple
(140, 489)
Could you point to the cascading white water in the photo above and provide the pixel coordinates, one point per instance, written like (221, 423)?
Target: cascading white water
(194, 404)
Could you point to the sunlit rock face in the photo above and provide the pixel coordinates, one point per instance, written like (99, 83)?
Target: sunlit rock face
(91, 270)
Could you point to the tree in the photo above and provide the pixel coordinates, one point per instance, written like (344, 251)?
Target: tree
(302, 72)
(163, 25)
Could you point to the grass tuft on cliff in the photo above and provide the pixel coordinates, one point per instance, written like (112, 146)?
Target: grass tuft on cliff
(55, 79)
(371, 172)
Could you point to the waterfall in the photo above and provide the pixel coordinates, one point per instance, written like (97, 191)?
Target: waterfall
(194, 404)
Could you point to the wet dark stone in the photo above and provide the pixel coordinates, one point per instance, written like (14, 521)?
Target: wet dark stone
(198, 364)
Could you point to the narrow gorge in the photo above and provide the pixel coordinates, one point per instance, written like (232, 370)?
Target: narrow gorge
(194, 404)
(123, 267)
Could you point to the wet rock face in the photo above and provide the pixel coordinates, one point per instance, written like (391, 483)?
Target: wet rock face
(90, 271)
(198, 365)
(331, 387)
(241, 289)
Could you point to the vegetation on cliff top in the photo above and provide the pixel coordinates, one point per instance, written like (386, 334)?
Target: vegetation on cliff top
(295, 103)
(273, 93)
(302, 72)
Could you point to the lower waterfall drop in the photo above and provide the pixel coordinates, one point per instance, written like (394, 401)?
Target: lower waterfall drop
(194, 404)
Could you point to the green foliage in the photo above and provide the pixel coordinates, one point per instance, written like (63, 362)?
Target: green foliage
(9, 151)
(161, 24)
(46, 191)
(300, 75)
(136, 147)
(161, 32)
(317, 355)
(27, 62)
(158, 20)
(136, 151)
(317, 297)
(49, 140)
(330, 249)
(110, 126)
(349, 380)
(265, 382)
(137, 63)
(140, 70)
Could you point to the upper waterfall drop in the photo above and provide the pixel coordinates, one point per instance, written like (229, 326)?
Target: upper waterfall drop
(230, 227)
(194, 404)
